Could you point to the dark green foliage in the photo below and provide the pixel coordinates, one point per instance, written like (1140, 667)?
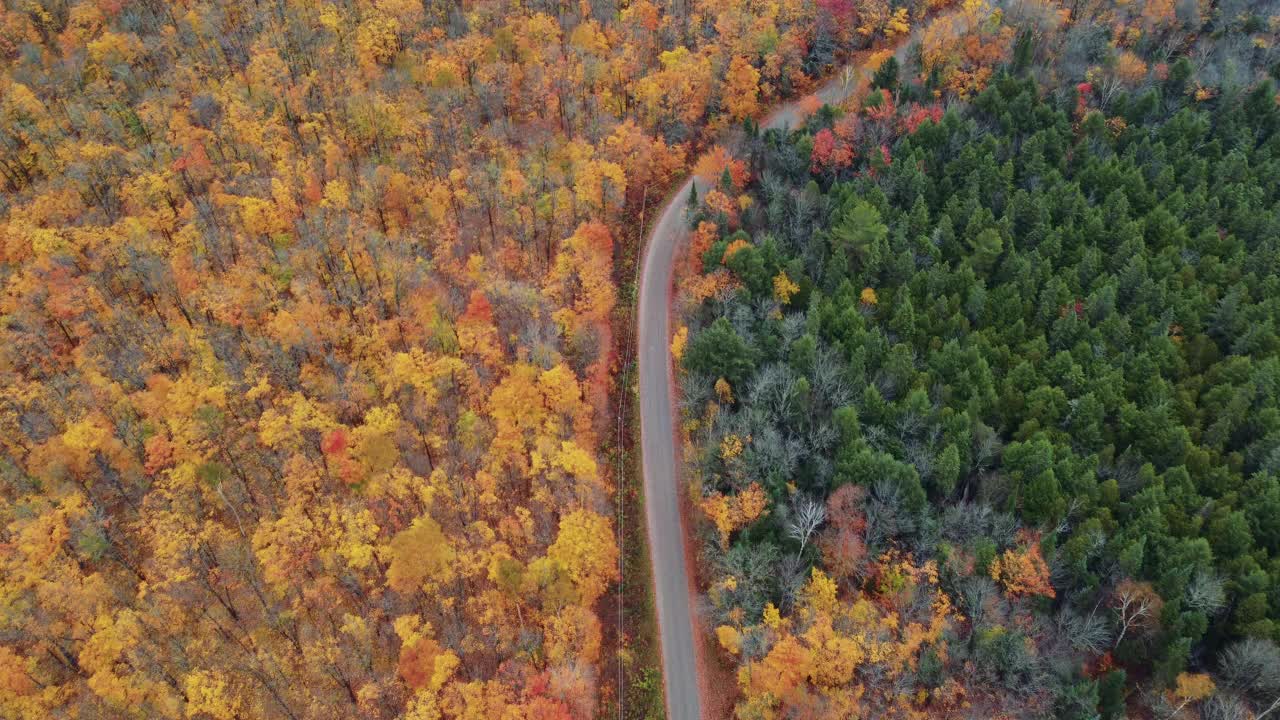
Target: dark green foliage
(1002, 656)
(718, 351)
(748, 264)
(932, 672)
(887, 75)
(1078, 700)
(857, 234)
(1111, 695)
(1023, 51)
(1078, 327)
(864, 466)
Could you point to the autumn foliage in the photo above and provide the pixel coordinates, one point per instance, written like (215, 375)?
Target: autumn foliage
(307, 339)
(1023, 571)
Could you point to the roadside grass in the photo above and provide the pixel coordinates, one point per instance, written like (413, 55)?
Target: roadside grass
(634, 671)
(643, 692)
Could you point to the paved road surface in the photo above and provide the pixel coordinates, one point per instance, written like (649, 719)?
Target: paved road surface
(657, 433)
(657, 446)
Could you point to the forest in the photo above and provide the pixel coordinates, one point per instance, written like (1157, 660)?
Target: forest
(981, 382)
(314, 314)
(308, 339)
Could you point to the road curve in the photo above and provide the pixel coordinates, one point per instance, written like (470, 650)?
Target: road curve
(673, 584)
(657, 446)
(671, 576)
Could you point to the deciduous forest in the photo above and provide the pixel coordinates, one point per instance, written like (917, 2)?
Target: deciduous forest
(981, 378)
(314, 315)
(308, 336)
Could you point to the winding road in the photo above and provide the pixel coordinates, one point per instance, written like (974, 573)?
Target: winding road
(672, 580)
(674, 586)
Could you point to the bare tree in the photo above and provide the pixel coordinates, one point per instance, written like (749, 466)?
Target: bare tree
(887, 517)
(829, 381)
(1137, 607)
(695, 390)
(1252, 667)
(793, 326)
(775, 391)
(964, 521)
(978, 595)
(743, 319)
(792, 573)
(1224, 707)
(1065, 523)
(770, 453)
(1205, 593)
(807, 514)
(755, 567)
(986, 447)
(1087, 633)
(921, 456)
